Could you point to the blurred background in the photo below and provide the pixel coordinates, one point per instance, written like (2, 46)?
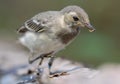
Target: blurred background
(99, 47)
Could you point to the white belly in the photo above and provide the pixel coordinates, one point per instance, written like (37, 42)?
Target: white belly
(41, 44)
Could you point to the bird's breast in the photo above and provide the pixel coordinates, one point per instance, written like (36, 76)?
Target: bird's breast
(68, 37)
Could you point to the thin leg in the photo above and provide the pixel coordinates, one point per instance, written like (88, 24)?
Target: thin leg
(42, 58)
(39, 57)
(50, 64)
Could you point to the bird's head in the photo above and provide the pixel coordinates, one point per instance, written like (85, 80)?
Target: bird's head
(76, 16)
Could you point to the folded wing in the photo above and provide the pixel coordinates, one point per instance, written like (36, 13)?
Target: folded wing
(31, 25)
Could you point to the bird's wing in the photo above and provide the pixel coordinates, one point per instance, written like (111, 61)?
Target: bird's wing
(32, 25)
(39, 22)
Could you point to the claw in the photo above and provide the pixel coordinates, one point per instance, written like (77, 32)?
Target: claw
(58, 74)
(62, 73)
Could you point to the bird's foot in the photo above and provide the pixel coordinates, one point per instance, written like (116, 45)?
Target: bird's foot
(62, 73)
(58, 74)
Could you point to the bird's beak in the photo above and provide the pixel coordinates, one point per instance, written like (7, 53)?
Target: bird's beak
(90, 27)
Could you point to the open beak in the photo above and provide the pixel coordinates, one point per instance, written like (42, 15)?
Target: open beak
(90, 27)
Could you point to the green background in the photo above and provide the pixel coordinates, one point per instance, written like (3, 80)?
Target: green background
(101, 46)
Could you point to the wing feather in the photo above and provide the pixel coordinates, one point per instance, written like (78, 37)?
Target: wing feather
(31, 25)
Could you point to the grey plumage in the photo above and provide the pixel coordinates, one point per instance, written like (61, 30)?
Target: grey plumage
(49, 32)
(40, 21)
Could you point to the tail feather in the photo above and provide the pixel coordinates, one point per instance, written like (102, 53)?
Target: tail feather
(22, 30)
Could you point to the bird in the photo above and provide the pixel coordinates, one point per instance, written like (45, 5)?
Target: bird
(49, 32)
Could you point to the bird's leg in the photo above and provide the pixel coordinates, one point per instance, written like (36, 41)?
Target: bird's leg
(39, 57)
(56, 73)
(47, 55)
(44, 56)
(50, 64)
(37, 68)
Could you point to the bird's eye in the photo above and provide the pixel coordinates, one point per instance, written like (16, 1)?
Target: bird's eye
(75, 18)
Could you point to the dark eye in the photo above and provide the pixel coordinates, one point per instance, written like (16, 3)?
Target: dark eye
(75, 18)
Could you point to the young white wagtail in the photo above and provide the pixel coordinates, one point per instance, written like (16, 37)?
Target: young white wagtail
(49, 32)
